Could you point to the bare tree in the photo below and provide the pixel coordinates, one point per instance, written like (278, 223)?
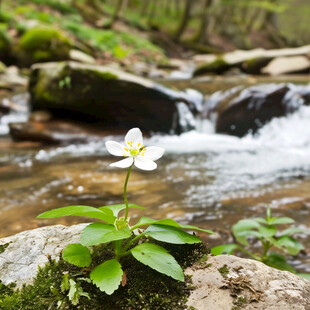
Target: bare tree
(184, 20)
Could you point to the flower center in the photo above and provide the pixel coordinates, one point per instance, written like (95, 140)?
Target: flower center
(134, 152)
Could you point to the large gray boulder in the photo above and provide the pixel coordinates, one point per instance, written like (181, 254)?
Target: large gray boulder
(229, 282)
(222, 282)
(111, 97)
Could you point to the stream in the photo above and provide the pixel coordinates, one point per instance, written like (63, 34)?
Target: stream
(206, 179)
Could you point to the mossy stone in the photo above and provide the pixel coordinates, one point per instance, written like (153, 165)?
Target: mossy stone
(145, 289)
(217, 66)
(42, 44)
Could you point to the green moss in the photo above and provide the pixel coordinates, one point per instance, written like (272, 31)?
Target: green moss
(42, 44)
(217, 66)
(145, 288)
(106, 75)
(3, 247)
(224, 271)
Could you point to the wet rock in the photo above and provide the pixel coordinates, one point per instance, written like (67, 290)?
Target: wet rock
(247, 285)
(111, 97)
(40, 116)
(52, 132)
(252, 61)
(82, 57)
(12, 78)
(42, 44)
(285, 65)
(248, 110)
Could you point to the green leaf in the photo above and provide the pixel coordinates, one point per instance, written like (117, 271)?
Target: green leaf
(117, 208)
(73, 293)
(97, 233)
(289, 244)
(159, 259)
(260, 220)
(168, 222)
(107, 276)
(268, 213)
(278, 261)
(196, 228)
(242, 229)
(267, 232)
(281, 220)
(77, 254)
(224, 248)
(170, 234)
(293, 230)
(304, 275)
(64, 286)
(104, 215)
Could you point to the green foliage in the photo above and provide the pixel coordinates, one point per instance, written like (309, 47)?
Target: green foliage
(101, 214)
(145, 288)
(97, 233)
(159, 259)
(170, 234)
(117, 231)
(266, 232)
(77, 254)
(107, 276)
(75, 291)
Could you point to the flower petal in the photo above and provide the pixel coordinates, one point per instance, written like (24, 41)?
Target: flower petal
(115, 148)
(145, 163)
(124, 163)
(154, 152)
(134, 135)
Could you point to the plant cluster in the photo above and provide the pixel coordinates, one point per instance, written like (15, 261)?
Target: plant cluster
(265, 231)
(126, 239)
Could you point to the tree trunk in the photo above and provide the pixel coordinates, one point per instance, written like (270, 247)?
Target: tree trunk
(145, 6)
(117, 12)
(152, 12)
(184, 21)
(202, 35)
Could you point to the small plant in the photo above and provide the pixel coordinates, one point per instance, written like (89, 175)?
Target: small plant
(126, 239)
(266, 232)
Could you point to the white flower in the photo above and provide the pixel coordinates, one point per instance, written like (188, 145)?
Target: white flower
(135, 152)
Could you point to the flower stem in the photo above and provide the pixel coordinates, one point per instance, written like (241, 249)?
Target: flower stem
(125, 192)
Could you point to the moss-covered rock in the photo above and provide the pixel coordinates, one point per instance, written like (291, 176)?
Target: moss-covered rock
(145, 288)
(255, 65)
(99, 94)
(42, 44)
(217, 66)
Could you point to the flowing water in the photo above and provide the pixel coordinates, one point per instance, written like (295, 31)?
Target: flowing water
(206, 179)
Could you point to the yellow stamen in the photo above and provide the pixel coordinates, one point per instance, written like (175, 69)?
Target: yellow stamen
(139, 144)
(124, 155)
(126, 149)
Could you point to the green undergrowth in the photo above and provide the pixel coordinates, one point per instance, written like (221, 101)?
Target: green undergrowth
(145, 288)
(17, 14)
